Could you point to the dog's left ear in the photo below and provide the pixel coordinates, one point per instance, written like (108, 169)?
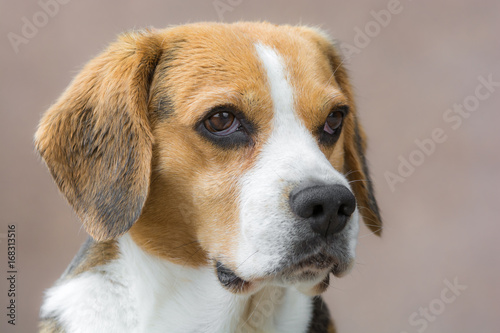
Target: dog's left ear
(355, 164)
(96, 139)
(358, 174)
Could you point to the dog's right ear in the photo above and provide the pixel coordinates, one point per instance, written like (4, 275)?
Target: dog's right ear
(96, 139)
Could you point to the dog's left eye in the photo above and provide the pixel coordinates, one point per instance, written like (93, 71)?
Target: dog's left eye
(329, 132)
(333, 122)
(222, 123)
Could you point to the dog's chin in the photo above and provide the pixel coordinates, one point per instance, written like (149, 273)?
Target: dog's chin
(310, 275)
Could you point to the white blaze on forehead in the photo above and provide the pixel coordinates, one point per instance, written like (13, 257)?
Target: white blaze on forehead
(291, 146)
(286, 126)
(281, 90)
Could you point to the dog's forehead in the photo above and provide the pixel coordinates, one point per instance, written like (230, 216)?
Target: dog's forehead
(219, 64)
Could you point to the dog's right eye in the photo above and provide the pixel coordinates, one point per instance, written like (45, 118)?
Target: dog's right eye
(226, 127)
(222, 123)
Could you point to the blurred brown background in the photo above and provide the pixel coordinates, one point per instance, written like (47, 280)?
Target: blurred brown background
(441, 223)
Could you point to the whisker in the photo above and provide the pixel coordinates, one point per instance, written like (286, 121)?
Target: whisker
(357, 180)
(352, 171)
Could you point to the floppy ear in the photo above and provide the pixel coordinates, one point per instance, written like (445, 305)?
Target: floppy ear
(356, 169)
(96, 139)
(355, 164)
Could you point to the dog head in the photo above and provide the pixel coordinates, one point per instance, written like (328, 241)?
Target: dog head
(232, 145)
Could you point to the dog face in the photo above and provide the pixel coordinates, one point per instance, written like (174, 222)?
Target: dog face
(228, 145)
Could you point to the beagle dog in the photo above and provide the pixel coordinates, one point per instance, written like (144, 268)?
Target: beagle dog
(220, 172)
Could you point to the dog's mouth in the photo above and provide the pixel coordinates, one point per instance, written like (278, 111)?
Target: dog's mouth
(229, 280)
(313, 267)
(316, 267)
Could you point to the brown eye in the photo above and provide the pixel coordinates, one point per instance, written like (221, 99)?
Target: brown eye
(226, 127)
(333, 122)
(222, 123)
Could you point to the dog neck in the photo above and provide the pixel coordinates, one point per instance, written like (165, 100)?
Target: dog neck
(143, 293)
(189, 299)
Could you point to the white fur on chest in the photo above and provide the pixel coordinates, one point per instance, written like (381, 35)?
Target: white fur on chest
(141, 293)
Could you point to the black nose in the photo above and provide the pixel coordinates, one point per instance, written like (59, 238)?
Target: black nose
(326, 207)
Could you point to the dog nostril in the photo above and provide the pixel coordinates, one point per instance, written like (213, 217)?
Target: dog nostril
(317, 211)
(345, 210)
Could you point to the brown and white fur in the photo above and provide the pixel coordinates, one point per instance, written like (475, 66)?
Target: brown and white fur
(193, 231)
